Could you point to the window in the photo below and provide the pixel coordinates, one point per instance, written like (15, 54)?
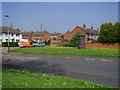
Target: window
(5, 34)
(12, 34)
(0, 34)
(17, 34)
(73, 35)
(17, 40)
(12, 40)
(6, 40)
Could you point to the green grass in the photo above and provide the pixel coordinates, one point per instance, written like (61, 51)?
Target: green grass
(25, 79)
(97, 52)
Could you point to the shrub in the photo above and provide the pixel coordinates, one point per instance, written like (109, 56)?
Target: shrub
(11, 44)
(74, 41)
(47, 43)
(67, 45)
(65, 40)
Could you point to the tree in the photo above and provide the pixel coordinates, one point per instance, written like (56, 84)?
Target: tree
(74, 41)
(109, 33)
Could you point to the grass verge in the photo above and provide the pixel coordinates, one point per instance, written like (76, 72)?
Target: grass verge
(96, 52)
(24, 79)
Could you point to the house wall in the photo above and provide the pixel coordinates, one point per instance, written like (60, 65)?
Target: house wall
(77, 30)
(4, 36)
(46, 37)
(103, 45)
(68, 36)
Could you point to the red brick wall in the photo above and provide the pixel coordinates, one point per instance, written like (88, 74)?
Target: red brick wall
(60, 43)
(68, 35)
(103, 45)
(55, 41)
(46, 37)
(77, 30)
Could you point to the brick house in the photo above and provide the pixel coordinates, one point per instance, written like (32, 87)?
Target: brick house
(37, 36)
(41, 36)
(91, 35)
(55, 36)
(27, 35)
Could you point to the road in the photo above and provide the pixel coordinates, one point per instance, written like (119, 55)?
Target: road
(100, 70)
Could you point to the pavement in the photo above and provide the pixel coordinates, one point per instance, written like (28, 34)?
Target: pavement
(103, 70)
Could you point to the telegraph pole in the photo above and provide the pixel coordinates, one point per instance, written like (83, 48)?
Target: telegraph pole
(8, 33)
(41, 34)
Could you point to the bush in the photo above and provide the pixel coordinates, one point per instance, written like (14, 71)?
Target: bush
(65, 40)
(67, 45)
(47, 43)
(11, 44)
(74, 41)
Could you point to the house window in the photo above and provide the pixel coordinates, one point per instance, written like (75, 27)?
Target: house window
(12, 34)
(0, 34)
(12, 40)
(73, 35)
(5, 34)
(17, 34)
(6, 40)
(17, 40)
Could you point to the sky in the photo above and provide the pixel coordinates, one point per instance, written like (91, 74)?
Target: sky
(58, 16)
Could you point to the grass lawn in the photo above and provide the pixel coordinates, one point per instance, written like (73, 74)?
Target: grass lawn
(97, 52)
(25, 79)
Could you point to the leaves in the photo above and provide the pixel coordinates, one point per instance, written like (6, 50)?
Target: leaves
(109, 33)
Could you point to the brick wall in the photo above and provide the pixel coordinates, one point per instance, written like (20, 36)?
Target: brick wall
(59, 43)
(55, 41)
(103, 45)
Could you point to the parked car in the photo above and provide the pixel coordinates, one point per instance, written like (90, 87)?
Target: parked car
(39, 44)
(25, 44)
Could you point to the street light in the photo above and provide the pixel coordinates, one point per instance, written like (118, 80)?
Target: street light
(8, 34)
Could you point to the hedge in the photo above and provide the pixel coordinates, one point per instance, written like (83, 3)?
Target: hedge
(47, 43)
(11, 44)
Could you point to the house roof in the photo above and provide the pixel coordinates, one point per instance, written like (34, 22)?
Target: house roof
(40, 33)
(27, 33)
(55, 34)
(89, 31)
(11, 30)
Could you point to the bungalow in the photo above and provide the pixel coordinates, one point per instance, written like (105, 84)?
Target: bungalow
(91, 35)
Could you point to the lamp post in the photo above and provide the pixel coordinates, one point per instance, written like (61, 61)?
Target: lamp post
(8, 34)
(41, 34)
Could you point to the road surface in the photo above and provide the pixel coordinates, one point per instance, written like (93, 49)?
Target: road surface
(100, 70)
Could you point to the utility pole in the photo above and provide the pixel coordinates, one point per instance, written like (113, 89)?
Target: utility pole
(41, 34)
(8, 33)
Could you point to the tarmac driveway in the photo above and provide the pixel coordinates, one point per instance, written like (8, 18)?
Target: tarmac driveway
(103, 72)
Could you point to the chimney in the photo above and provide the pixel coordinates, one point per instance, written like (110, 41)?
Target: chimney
(84, 25)
(91, 27)
(98, 29)
(11, 26)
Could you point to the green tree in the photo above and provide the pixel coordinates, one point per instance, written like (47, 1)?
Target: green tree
(74, 41)
(109, 33)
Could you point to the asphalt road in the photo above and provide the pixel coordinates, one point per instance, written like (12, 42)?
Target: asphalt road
(103, 72)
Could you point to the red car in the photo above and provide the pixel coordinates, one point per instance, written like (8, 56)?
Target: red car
(25, 44)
